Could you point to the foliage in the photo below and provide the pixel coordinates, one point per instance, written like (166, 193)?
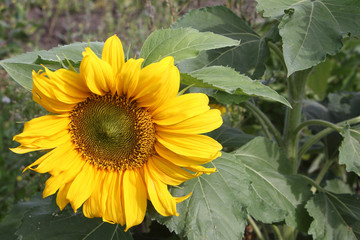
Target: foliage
(294, 185)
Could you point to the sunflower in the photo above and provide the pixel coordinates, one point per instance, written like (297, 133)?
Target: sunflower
(118, 135)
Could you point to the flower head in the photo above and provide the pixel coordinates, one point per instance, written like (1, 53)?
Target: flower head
(118, 135)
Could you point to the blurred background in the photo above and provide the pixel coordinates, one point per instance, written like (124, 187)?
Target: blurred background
(28, 25)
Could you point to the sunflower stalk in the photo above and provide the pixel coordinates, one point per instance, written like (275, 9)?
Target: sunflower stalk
(296, 86)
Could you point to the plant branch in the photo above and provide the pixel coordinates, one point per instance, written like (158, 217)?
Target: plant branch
(316, 122)
(256, 228)
(323, 133)
(266, 123)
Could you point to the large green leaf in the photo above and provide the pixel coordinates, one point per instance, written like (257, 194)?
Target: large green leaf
(249, 57)
(215, 210)
(230, 81)
(20, 67)
(349, 151)
(312, 28)
(41, 219)
(336, 216)
(182, 43)
(275, 195)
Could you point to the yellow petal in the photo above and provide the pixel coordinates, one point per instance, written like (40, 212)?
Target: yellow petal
(200, 169)
(159, 195)
(55, 182)
(135, 197)
(64, 85)
(202, 123)
(181, 108)
(45, 132)
(114, 212)
(61, 200)
(43, 93)
(51, 159)
(127, 79)
(158, 83)
(97, 73)
(190, 145)
(92, 206)
(180, 199)
(113, 53)
(82, 186)
(167, 172)
(178, 159)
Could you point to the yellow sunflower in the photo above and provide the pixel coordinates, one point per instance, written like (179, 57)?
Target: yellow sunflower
(119, 135)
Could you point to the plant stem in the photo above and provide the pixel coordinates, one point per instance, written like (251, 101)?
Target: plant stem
(265, 122)
(323, 133)
(256, 228)
(296, 86)
(322, 173)
(277, 232)
(317, 122)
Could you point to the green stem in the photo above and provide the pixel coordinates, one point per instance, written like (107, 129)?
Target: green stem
(296, 88)
(265, 122)
(277, 232)
(316, 122)
(288, 233)
(312, 182)
(322, 173)
(323, 133)
(256, 228)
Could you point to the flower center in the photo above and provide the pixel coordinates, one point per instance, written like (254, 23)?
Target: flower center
(112, 132)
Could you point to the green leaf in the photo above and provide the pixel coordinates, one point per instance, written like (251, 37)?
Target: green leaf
(215, 208)
(41, 219)
(337, 186)
(274, 194)
(311, 29)
(182, 43)
(230, 81)
(20, 67)
(349, 151)
(318, 79)
(249, 57)
(336, 216)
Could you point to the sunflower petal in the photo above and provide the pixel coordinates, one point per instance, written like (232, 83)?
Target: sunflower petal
(114, 204)
(82, 186)
(158, 83)
(178, 159)
(61, 199)
(113, 53)
(97, 73)
(44, 95)
(167, 172)
(190, 145)
(135, 197)
(56, 181)
(92, 206)
(202, 123)
(45, 132)
(127, 79)
(159, 194)
(64, 85)
(181, 108)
